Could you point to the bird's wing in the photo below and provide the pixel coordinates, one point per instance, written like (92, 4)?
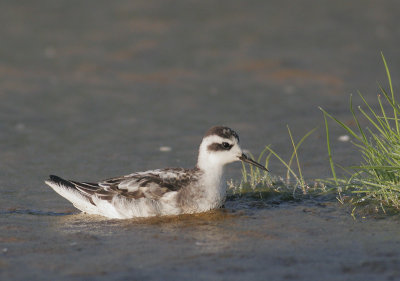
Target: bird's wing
(151, 184)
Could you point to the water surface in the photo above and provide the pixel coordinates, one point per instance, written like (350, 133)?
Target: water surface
(91, 90)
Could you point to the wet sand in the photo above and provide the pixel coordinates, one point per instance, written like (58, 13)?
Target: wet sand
(94, 89)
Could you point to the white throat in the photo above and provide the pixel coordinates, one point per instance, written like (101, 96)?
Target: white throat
(212, 170)
(211, 184)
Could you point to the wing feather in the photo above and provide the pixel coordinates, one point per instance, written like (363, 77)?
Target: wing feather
(151, 184)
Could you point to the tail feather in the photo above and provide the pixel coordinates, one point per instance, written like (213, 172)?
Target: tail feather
(61, 181)
(73, 193)
(87, 189)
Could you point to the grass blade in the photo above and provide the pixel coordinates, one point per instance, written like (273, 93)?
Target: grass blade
(329, 149)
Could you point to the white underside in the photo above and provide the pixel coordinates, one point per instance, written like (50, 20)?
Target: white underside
(119, 207)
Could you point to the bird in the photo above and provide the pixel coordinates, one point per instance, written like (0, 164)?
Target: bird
(161, 192)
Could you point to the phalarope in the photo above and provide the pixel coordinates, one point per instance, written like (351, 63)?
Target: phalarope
(170, 191)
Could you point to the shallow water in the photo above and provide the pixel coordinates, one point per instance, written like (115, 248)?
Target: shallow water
(301, 241)
(93, 90)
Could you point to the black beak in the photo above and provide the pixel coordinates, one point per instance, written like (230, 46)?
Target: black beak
(244, 158)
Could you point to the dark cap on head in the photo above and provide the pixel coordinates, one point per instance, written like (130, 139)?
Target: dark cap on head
(223, 132)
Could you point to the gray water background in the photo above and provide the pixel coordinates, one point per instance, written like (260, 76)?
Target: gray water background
(91, 90)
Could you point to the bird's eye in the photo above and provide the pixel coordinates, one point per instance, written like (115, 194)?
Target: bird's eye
(226, 145)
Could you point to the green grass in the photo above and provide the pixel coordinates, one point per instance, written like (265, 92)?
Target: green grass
(261, 184)
(375, 182)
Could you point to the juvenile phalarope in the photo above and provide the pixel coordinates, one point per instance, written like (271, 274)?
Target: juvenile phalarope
(170, 191)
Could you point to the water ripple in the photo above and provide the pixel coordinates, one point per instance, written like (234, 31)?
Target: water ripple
(34, 212)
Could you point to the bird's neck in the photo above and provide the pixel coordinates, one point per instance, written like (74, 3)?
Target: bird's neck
(212, 173)
(211, 167)
(212, 190)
